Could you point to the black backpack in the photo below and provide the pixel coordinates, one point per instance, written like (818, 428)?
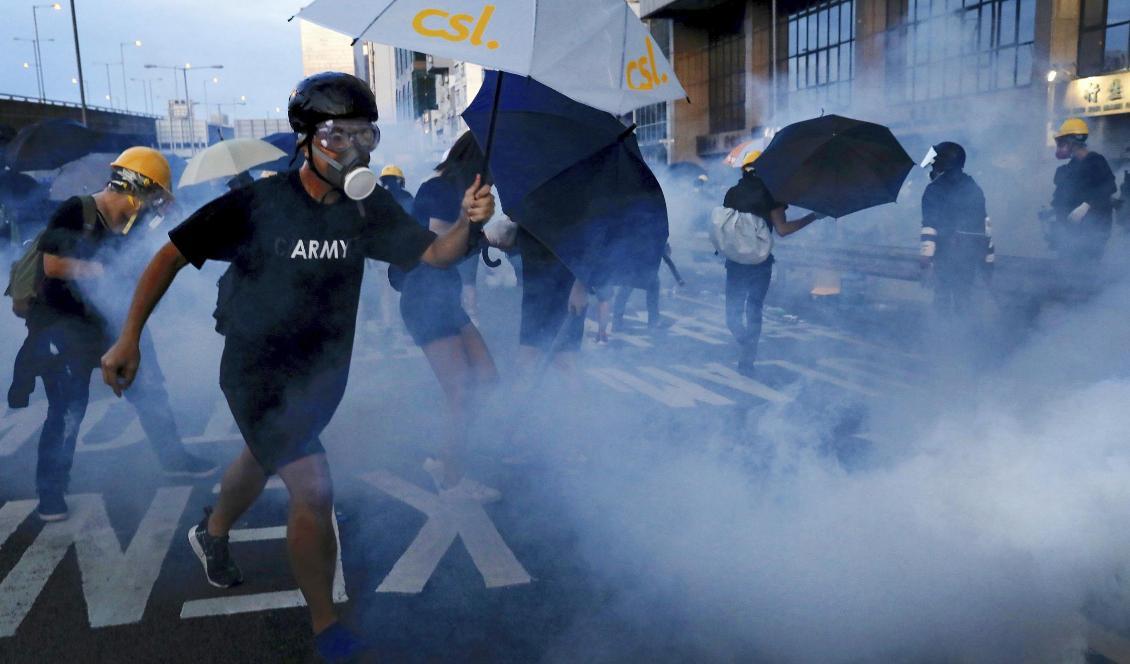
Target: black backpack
(26, 276)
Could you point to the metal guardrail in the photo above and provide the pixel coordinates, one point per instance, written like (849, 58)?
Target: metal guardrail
(1019, 280)
(71, 104)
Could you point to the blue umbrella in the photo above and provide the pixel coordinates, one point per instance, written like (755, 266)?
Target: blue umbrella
(572, 176)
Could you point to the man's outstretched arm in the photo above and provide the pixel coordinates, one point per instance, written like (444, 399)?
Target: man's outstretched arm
(120, 363)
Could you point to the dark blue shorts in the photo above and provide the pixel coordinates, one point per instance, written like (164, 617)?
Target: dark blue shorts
(431, 304)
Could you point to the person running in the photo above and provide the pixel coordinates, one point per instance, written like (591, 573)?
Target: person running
(434, 315)
(747, 285)
(648, 281)
(1081, 202)
(297, 246)
(69, 322)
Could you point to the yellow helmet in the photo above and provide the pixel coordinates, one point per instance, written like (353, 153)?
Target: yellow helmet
(1073, 127)
(148, 163)
(750, 157)
(393, 171)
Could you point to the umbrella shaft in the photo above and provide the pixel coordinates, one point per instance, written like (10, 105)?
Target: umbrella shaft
(493, 119)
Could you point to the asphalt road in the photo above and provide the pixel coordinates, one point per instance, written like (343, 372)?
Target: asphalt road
(426, 580)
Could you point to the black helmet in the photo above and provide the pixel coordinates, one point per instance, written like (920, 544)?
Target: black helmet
(327, 96)
(951, 156)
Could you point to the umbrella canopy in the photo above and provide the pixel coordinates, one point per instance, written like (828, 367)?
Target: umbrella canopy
(586, 193)
(85, 175)
(228, 158)
(49, 144)
(605, 59)
(834, 165)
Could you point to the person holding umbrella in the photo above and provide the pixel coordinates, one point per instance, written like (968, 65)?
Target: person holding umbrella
(297, 245)
(434, 315)
(747, 285)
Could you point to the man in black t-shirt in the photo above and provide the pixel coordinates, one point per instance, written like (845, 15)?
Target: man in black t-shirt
(287, 308)
(69, 321)
(1082, 198)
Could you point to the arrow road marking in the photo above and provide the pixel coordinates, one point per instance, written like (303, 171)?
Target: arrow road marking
(447, 519)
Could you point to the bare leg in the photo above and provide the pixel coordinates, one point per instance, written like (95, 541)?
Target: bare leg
(479, 357)
(242, 483)
(450, 363)
(310, 536)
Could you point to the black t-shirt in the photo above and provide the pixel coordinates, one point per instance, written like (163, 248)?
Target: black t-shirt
(751, 195)
(297, 264)
(1087, 180)
(65, 238)
(437, 198)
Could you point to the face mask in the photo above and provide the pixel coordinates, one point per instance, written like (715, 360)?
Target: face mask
(350, 172)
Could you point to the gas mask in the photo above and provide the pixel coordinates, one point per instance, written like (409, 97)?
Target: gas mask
(352, 140)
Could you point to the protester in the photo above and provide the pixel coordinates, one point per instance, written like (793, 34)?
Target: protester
(288, 310)
(748, 284)
(553, 309)
(648, 282)
(956, 235)
(1081, 203)
(434, 315)
(69, 328)
(394, 182)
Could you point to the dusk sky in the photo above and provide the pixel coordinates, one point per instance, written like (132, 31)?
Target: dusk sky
(251, 38)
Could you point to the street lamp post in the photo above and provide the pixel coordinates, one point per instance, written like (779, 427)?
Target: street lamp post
(109, 86)
(187, 101)
(38, 53)
(38, 64)
(122, 50)
(78, 61)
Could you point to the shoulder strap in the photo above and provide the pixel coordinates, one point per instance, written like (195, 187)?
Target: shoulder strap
(89, 214)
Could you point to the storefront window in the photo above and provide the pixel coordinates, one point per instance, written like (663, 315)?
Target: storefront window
(821, 58)
(1104, 36)
(726, 82)
(960, 47)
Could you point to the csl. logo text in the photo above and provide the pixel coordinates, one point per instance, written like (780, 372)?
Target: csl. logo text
(643, 73)
(459, 27)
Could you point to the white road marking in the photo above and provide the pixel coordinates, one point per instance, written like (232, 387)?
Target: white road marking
(274, 483)
(220, 427)
(18, 426)
(819, 375)
(865, 371)
(116, 584)
(228, 606)
(666, 388)
(727, 377)
(447, 520)
(630, 339)
(270, 601)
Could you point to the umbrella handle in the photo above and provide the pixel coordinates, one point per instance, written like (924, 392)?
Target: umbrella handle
(488, 260)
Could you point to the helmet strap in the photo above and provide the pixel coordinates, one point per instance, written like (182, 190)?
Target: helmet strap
(314, 167)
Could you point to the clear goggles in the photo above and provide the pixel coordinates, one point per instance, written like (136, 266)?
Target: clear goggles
(340, 135)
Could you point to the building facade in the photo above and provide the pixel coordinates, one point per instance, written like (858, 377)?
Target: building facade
(926, 68)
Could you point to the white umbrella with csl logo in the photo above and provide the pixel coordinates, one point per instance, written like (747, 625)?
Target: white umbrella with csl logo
(594, 51)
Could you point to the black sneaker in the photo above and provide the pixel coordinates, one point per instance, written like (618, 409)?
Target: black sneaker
(184, 464)
(338, 643)
(52, 507)
(213, 553)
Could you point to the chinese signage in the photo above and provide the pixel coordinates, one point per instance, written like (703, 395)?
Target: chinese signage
(1098, 95)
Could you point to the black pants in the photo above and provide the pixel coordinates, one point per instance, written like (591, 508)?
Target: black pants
(651, 288)
(746, 287)
(953, 287)
(75, 349)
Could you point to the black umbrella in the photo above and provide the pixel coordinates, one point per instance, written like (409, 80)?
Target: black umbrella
(834, 165)
(48, 144)
(573, 177)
